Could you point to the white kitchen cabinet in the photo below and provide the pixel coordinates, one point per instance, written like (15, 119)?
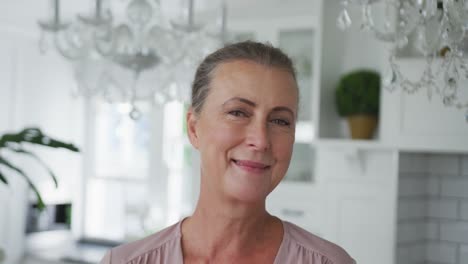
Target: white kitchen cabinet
(358, 189)
(301, 204)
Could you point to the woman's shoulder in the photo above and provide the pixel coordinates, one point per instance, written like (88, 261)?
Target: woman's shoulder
(161, 245)
(309, 246)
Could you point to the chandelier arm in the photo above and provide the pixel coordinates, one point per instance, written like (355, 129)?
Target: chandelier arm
(190, 17)
(56, 7)
(98, 10)
(104, 52)
(394, 36)
(224, 23)
(399, 79)
(70, 53)
(107, 38)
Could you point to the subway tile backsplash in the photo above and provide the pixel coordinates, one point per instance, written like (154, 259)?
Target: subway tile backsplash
(440, 208)
(441, 252)
(433, 209)
(464, 254)
(451, 187)
(464, 211)
(454, 232)
(444, 164)
(414, 163)
(464, 166)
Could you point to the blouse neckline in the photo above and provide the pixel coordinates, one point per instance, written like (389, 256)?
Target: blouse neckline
(279, 254)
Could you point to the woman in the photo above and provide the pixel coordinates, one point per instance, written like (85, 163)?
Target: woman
(242, 121)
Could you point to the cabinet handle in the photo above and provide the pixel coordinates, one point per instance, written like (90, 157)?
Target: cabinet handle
(292, 212)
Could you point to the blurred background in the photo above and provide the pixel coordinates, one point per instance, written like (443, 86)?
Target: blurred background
(119, 93)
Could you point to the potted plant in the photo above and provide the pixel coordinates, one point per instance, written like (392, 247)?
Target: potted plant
(15, 143)
(358, 99)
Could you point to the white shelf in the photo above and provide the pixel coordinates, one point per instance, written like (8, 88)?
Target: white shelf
(353, 144)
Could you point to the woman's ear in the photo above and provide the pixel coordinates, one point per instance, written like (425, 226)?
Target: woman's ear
(192, 119)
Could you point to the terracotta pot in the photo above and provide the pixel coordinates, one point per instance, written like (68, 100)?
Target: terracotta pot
(362, 126)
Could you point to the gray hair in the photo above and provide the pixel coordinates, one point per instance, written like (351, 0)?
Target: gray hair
(264, 54)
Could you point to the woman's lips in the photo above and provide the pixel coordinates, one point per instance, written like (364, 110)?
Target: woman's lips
(251, 166)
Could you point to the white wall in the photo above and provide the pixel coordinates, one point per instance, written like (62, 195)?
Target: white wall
(11, 212)
(13, 196)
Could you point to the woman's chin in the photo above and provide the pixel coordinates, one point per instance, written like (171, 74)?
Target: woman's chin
(249, 194)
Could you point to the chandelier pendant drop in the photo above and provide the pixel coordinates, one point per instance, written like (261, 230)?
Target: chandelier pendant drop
(139, 53)
(440, 28)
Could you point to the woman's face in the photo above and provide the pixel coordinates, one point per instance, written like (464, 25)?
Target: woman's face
(245, 130)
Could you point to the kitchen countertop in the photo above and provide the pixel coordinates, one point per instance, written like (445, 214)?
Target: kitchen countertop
(59, 247)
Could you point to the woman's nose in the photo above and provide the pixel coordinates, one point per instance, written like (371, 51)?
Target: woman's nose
(258, 136)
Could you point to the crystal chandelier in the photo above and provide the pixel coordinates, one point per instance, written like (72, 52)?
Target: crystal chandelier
(439, 28)
(133, 50)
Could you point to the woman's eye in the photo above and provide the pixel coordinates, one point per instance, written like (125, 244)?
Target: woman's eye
(280, 122)
(238, 113)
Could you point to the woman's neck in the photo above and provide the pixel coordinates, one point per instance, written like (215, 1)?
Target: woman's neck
(226, 229)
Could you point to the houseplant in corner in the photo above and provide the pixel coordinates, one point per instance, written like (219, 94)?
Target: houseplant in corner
(16, 143)
(358, 99)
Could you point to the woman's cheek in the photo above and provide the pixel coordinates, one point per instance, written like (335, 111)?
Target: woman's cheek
(229, 132)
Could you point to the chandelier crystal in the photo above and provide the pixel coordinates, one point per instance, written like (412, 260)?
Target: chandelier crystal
(132, 50)
(439, 28)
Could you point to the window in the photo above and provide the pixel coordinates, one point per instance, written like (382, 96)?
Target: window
(140, 178)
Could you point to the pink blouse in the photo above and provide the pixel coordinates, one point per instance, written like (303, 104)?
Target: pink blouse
(164, 247)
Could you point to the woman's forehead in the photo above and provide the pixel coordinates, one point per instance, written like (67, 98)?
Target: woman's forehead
(231, 67)
(248, 78)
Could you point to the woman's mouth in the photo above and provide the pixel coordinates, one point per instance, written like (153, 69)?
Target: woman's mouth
(251, 166)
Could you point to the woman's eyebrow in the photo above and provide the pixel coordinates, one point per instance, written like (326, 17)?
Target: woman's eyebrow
(253, 104)
(242, 100)
(283, 108)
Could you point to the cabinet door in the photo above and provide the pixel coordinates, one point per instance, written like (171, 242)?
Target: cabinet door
(299, 204)
(360, 193)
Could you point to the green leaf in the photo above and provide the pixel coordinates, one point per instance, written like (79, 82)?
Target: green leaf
(34, 156)
(35, 136)
(14, 141)
(40, 202)
(3, 178)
